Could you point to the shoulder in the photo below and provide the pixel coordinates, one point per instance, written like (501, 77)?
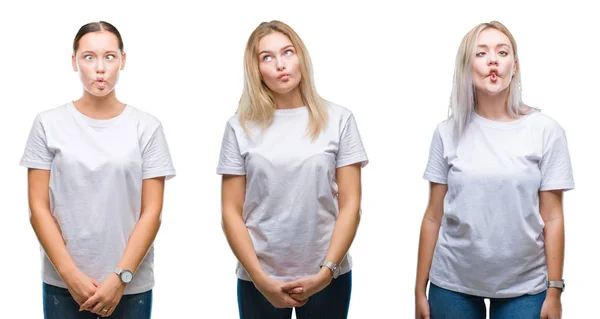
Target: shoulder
(337, 112)
(446, 128)
(144, 120)
(54, 114)
(544, 123)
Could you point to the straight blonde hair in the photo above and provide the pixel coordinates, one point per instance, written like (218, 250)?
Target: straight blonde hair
(462, 98)
(257, 103)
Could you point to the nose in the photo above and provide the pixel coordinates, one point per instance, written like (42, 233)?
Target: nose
(492, 59)
(280, 64)
(100, 68)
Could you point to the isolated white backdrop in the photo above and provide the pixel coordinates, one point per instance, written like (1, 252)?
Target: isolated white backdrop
(388, 62)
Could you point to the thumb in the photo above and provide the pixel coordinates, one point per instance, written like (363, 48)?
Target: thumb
(290, 285)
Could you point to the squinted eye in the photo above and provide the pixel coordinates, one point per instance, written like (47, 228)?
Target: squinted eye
(503, 53)
(480, 54)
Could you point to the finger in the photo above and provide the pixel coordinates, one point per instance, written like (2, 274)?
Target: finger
(291, 285)
(303, 303)
(293, 302)
(106, 311)
(297, 290)
(88, 304)
(299, 297)
(95, 283)
(98, 308)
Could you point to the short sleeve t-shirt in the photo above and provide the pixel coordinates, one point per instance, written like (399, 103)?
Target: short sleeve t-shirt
(291, 202)
(96, 172)
(491, 241)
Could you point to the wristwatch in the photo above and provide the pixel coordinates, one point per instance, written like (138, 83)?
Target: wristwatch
(125, 275)
(335, 268)
(560, 284)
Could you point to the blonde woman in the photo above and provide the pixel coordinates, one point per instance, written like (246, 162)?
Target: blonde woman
(96, 175)
(291, 165)
(497, 170)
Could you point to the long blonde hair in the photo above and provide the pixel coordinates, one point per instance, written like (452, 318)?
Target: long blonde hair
(257, 103)
(463, 99)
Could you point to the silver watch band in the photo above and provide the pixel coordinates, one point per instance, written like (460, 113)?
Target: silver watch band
(560, 284)
(332, 266)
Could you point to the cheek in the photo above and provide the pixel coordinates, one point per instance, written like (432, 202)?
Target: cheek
(267, 74)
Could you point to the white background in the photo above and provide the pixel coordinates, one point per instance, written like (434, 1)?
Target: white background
(390, 64)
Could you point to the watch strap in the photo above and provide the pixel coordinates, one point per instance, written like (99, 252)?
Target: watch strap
(332, 266)
(560, 284)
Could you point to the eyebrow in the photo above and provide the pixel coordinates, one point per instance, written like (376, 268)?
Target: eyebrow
(282, 49)
(92, 52)
(497, 46)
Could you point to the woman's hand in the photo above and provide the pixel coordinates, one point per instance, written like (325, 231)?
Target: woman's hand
(80, 286)
(272, 290)
(106, 298)
(301, 289)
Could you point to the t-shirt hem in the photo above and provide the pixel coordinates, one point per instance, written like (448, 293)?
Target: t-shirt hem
(566, 186)
(359, 159)
(168, 174)
(230, 171)
(479, 293)
(435, 179)
(243, 276)
(36, 165)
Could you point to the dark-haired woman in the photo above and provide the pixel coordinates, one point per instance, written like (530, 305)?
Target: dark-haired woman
(96, 173)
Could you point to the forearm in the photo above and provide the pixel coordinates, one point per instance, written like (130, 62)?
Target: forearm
(343, 234)
(427, 242)
(140, 241)
(50, 238)
(554, 242)
(241, 244)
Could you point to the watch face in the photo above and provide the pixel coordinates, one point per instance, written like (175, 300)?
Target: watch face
(126, 276)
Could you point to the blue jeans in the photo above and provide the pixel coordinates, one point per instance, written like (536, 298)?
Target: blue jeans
(448, 304)
(59, 304)
(331, 303)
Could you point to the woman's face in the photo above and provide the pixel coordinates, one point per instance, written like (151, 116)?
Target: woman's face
(278, 63)
(99, 61)
(494, 62)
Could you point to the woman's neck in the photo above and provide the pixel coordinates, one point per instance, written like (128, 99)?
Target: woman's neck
(101, 108)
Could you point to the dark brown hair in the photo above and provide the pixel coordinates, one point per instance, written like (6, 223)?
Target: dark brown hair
(94, 27)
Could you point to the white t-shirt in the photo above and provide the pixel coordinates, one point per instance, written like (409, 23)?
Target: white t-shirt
(96, 172)
(291, 201)
(491, 241)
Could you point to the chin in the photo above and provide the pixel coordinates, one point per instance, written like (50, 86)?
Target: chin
(100, 93)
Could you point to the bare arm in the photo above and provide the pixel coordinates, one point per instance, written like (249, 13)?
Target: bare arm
(80, 286)
(551, 209)
(346, 225)
(44, 225)
(233, 194)
(429, 234)
(146, 228)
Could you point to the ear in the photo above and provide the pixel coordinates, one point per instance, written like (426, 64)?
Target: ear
(515, 67)
(74, 62)
(123, 60)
